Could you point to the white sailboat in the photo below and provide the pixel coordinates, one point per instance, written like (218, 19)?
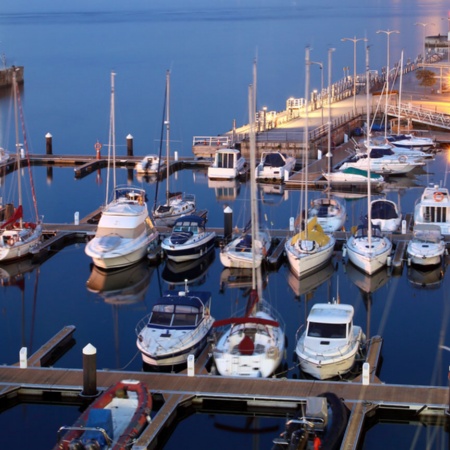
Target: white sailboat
(17, 237)
(367, 248)
(251, 345)
(125, 230)
(177, 204)
(311, 248)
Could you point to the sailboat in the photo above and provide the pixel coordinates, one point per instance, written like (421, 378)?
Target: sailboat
(251, 345)
(329, 210)
(17, 237)
(367, 248)
(125, 231)
(311, 248)
(177, 204)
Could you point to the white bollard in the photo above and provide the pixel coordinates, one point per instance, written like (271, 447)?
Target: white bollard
(403, 226)
(175, 156)
(286, 176)
(23, 358)
(190, 365)
(366, 374)
(22, 153)
(291, 224)
(319, 154)
(76, 218)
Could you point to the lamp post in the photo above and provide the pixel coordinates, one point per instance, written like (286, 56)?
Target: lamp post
(330, 52)
(321, 85)
(423, 24)
(388, 34)
(264, 120)
(354, 40)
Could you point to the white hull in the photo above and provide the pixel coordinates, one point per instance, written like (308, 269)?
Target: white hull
(228, 164)
(149, 165)
(331, 214)
(192, 249)
(426, 248)
(166, 215)
(385, 215)
(18, 243)
(369, 262)
(283, 166)
(303, 262)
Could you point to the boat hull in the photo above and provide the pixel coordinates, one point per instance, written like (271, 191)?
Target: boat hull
(190, 250)
(368, 262)
(19, 243)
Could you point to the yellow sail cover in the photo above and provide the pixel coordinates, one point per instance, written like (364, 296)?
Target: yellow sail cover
(314, 233)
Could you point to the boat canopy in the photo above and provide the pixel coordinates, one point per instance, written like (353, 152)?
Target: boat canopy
(384, 209)
(189, 221)
(274, 160)
(313, 233)
(364, 173)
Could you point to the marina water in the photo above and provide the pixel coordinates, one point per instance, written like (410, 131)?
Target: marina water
(68, 53)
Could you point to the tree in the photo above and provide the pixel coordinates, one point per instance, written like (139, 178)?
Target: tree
(426, 77)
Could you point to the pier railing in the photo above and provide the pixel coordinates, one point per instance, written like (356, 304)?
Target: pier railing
(419, 114)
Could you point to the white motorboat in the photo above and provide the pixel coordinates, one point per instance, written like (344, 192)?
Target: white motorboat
(355, 176)
(239, 252)
(385, 215)
(274, 167)
(177, 327)
(310, 248)
(427, 247)
(412, 142)
(189, 239)
(251, 345)
(331, 342)
(228, 164)
(330, 212)
(148, 165)
(433, 207)
(18, 238)
(366, 247)
(125, 230)
(177, 204)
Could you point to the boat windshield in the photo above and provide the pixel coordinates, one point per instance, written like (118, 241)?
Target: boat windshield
(175, 315)
(327, 330)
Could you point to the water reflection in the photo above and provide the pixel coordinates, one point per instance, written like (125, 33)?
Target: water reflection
(426, 279)
(225, 190)
(308, 284)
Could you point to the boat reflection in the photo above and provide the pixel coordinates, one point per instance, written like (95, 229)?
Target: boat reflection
(272, 194)
(13, 274)
(194, 271)
(226, 190)
(308, 284)
(121, 286)
(239, 278)
(426, 279)
(367, 283)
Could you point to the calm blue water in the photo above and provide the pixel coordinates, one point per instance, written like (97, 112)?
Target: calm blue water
(69, 51)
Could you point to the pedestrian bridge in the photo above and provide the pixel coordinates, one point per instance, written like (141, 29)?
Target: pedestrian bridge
(420, 115)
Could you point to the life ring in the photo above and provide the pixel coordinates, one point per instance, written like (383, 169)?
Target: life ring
(98, 146)
(438, 196)
(402, 158)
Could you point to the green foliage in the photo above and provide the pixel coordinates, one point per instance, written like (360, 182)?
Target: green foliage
(426, 77)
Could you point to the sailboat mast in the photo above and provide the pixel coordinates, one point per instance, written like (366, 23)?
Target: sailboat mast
(167, 123)
(400, 94)
(306, 137)
(254, 205)
(369, 186)
(330, 51)
(16, 122)
(111, 141)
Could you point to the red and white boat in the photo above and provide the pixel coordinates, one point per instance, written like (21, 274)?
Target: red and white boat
(112, 422)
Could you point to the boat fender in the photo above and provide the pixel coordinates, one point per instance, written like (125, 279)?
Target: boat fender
(272, 352)
(438, 196)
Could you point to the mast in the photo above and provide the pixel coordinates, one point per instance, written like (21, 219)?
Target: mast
(330, 51)
(112, 141)
(369, 209)
(306, 137)
(16, 122)
(400, 94)
(254, 212)
(167, 123)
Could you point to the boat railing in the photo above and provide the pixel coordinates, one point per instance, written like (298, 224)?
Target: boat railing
(219, 141)
(100, 430)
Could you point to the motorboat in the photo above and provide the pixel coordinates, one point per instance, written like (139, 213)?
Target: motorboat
(367, 248)
(412, 141)
(228, 163)
(18, 238)
(178, 326)
(150, 164)
(309, 249)
(251, 345)
(320, 423)
(125, 230)
(433, 207)
(177, 204)
(330, 212)
(274, 167)
(427, 247)
(238, 253)
(385, 215)
(354, 176)
(4, 155)
(113, 421)
(189, 239)
(331, 342)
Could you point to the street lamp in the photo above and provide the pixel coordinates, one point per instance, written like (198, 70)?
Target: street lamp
(354, 40)
(321, 84)
(388, 34)
(423, 24)
(265, 112)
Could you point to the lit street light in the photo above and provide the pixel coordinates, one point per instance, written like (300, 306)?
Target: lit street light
(354, 40)
(388, 34)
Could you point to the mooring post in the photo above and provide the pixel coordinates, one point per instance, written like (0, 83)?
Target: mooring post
(23, 359)
(129, 145)
(89, 371)
(48, 144)
(191, 365)
(228, 223)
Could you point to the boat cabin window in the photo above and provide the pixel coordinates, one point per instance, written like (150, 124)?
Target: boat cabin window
(175, 315)
(125, 233)
(162, 315)
(327, 330)
(226, 160)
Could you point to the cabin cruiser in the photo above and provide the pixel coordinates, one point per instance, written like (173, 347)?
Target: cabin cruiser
(426, 248)
(385, 215)
(228, 163)
(330, 344)
(412, 142)
(274, 166)
(148, 165)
